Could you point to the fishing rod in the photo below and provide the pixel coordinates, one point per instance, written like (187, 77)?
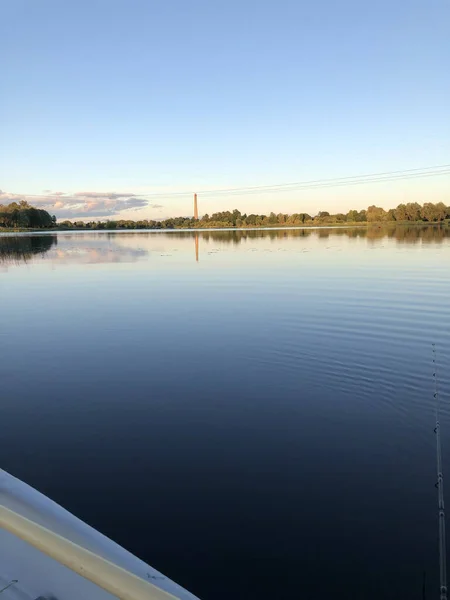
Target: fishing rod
(440, 489)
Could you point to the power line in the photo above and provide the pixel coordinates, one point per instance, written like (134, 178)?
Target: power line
(333, 181)
(388, 176)
(333, 184)
(315, 183)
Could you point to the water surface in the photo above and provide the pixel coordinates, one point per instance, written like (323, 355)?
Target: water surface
(250, 412)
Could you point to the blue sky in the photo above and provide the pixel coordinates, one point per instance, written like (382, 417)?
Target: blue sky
(137, 97)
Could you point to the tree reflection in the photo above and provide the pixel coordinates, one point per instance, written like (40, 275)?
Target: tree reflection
(402, 233)
(18, 249)
(129, 247)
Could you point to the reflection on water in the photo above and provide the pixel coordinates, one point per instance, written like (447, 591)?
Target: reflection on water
(400, 233)
(62, 249)
(196, 247)
(256, 403)
(130, 246)
(16, 249)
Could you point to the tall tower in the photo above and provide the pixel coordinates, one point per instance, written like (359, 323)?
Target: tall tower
(195, 208)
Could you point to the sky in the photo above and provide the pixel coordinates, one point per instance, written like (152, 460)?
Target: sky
(109, 106)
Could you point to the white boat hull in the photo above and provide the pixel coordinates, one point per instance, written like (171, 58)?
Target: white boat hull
(32, 573)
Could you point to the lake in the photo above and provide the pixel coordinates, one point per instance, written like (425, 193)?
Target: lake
(251, 412)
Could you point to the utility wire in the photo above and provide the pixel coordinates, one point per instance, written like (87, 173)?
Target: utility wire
(322, 185)
(318, 183)
(388, 176)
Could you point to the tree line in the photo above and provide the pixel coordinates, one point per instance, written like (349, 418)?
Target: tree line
(22, 215)
(411, 212)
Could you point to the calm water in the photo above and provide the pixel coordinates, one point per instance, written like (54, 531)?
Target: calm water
(255, 421)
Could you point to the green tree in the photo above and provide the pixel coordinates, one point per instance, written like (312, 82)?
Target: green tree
(441, 210)
(433, 212)
(412, 210)
(236, 215)
(352, 216)
(375, 213)
(401, 212)
(24, 215)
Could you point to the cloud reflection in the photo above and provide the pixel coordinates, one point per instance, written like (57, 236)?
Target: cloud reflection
(66, 249)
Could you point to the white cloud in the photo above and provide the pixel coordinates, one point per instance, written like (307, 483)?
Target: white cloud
(82, 204)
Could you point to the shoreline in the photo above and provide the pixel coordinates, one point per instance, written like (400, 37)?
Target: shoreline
(279, 226)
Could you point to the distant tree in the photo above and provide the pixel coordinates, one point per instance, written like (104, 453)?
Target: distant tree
(441, 211)
(412, 210)
(235, 216)
(375, 213)
(433, 212)
(23, 215)
(401, 212)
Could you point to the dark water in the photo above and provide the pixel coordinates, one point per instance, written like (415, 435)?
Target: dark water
(255, 424)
